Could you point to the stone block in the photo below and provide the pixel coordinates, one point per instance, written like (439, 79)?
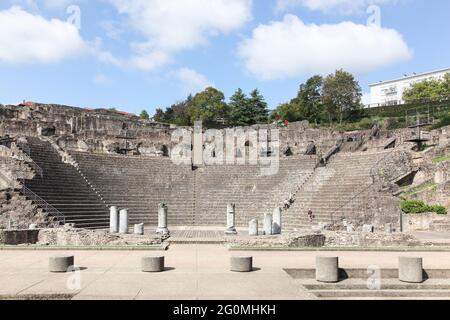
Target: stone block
(253, 228)
(367, 228)
(113, 220)
(410, 269)
(268, 220)
(139, 229)
(327, 269)
(153, 264)
(60, 263)
(123, 221)
(241, 264)
(276, 223)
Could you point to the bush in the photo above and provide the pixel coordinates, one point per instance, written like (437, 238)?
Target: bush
(417, 206)
(443, 121)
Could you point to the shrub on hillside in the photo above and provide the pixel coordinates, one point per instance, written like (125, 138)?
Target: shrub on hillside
(417, 206)
(443, 121)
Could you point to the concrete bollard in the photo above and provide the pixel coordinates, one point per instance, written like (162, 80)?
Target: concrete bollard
(60, 263)
(113, 220)
(123, 221)
(276, 224)
(241, 264)
(327, 269)
(162, 220)
(253, 228)
(410, 269)
(152, 264)
(139, 229)
(268, 220)
(231, 219)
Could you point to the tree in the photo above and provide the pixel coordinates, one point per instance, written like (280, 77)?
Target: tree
(239, 108)
(257, 108)
(428, 90)
(209, 106)
(144, 115)
(341, 93)
(309, 100)
(286, 111)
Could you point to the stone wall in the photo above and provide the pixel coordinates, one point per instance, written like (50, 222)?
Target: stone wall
(17, 237)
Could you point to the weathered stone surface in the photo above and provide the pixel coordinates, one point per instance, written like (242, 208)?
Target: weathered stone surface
(16, 237)
(231, 219)
(83, 237)
(253, 228)
(276, 224)
(367, 228)
(123, 221)
(327, 269)
(61, 263)
(410, 269)
(113, 219)
(152, 264)
(268, 221)
(241, 264)
(162, 220)
(139, 229)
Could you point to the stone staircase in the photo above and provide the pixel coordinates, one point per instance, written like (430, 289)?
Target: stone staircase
(334, 192)
(194, 197)
(63, 188)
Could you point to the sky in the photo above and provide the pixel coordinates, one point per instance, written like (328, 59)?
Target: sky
(147, 54)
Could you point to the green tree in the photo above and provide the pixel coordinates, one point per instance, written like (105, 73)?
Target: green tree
(239, 108)
(209, 106)
(309, 100)
(144, 115)
(258, 108)
(428, 90)
(286, 111)
(341, 94)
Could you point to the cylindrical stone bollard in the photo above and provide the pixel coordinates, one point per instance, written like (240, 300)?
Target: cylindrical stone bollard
(410, 269)
(162, 220)
(327, 269)
(113, 220)
(241, 264)
(276, 224)
(268, 220)
(152, 264)
(253, 228)
(60, 263)
(139, 229)
(123, 221)
(231, 216)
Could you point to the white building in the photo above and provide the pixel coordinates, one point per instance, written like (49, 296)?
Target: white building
(391, 92)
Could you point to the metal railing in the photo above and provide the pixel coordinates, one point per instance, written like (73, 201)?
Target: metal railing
(44, 205)
(37, 169)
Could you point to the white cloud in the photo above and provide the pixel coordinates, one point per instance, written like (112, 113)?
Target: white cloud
(28, 38)
(192, 81)
(290, 48)
(35, 5)
(173, 26)
(341, 6)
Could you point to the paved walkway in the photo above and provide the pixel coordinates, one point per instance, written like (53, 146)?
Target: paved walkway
(193, 272)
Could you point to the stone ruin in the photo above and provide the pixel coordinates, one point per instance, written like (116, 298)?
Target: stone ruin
(65, 165)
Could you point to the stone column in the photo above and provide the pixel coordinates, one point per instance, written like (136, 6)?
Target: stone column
(268, 220)
(123, 221)
(253, 228)
(162, 220)
(231, 217)
(113, 220)
(410, 270)
(276, 224)
(139, 229)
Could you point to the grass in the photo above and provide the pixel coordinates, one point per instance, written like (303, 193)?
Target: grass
(422, 188)
(441, 159)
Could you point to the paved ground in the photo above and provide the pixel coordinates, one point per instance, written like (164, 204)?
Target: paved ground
(194, 272)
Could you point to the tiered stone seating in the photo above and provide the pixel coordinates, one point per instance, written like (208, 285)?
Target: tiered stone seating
(335, 191)
(65, 189)
(198, 197)
(140, 184)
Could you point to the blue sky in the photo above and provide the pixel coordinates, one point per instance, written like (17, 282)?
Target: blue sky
(136, 54)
